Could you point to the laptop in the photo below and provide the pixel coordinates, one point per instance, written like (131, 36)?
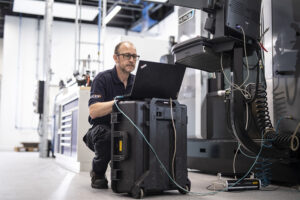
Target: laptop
(157, 80)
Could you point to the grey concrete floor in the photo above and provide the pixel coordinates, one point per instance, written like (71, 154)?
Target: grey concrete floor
(25, 176)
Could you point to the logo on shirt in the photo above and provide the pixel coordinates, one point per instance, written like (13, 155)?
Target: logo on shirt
(96, 96)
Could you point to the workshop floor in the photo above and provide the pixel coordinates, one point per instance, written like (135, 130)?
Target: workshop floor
(25, 176)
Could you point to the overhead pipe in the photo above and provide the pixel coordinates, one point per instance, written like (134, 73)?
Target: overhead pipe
(38, 49)
(79, 38)
(99, 32)
(76, 66)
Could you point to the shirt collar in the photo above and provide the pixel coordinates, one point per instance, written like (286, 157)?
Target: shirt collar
(117, 80)
(130, 80)
(115, 76)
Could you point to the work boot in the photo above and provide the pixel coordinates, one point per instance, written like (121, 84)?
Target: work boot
(98, 182)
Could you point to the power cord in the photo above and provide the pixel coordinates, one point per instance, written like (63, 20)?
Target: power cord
(175, 138)
(244, 92)
(234, 160)
(245, 50)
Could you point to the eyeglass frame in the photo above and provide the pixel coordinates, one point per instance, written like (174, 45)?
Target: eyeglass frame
(128, 56)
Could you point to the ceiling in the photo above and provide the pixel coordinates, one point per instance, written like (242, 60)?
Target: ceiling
(133, 15)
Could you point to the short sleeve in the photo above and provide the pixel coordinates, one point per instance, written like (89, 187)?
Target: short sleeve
(97, 93)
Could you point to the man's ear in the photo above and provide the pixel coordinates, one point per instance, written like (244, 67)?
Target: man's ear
(115, 57)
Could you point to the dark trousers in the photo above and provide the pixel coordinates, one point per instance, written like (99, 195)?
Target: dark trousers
(98, 139)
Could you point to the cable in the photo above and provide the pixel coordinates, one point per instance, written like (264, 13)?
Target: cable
(247, 116)
(295, 138)
(175, 138)
(250, 169)
(263, 34)
(234, 159)
(254, 163)
(262, 67)
(244, 92)
(253, 157)
(278, 122)
(245, 50)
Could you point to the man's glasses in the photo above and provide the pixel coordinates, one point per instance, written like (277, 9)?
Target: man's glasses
(128, 56)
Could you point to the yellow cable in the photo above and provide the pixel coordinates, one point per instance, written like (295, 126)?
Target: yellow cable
(174, 154)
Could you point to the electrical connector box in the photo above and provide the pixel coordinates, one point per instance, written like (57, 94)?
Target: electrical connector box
(245, 184)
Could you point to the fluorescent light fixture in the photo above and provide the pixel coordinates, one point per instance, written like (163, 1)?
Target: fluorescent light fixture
(62, 10)
(157, 1)
(111, 14)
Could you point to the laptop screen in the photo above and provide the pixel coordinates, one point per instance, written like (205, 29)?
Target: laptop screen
(157, 80)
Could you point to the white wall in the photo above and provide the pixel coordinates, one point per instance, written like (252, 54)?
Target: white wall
(1, 55)
(1, 61)
(167, 27)
(150, 44)
(17, 123)
(23, 64)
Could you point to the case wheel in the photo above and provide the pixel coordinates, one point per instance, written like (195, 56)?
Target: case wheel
(114, 186)
(138, 193)
(187, 187)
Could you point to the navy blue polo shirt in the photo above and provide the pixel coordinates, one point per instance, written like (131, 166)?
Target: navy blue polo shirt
(105, 87)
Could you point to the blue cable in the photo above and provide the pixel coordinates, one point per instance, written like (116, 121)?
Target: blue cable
(278, 122)
(255, 161)
(263, 170)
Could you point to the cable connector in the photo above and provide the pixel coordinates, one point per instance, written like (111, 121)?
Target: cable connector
(218, 185)
(118, 98)
(227, 95)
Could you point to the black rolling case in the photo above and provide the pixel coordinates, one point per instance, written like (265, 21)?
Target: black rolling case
(135, 169)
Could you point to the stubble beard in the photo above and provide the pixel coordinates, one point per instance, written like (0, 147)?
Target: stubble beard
(127, 69)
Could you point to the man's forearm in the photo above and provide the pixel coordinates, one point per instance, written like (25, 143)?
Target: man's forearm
(101, 109)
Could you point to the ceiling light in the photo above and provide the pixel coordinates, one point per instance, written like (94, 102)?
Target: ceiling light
(111, 14)
(157, 1)
(62, 10)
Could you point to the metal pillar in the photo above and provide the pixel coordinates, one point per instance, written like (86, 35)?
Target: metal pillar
(43, 147)
(99, 31)
(103, 30)
(76, 57)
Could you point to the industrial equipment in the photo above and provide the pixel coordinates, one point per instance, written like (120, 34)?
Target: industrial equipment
(238, 118)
